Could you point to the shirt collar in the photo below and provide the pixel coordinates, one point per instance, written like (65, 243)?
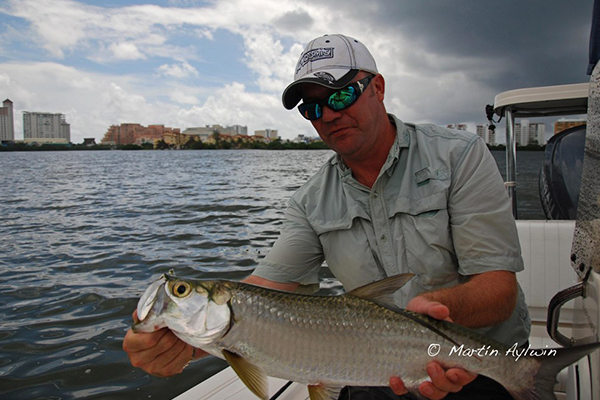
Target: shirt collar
(402, 140)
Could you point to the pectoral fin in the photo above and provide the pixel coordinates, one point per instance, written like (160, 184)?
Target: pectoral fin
(252, 376)
(321, 392)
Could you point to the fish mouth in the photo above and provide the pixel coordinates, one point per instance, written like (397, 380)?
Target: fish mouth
(150, 306)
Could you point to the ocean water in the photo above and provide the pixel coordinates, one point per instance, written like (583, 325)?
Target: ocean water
(82, 234)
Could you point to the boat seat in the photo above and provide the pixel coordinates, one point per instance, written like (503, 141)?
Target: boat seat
(546, 249)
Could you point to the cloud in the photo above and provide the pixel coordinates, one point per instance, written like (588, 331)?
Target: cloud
(443, 61)
(126, 51)
(92, 102)
(183, 98)
(293, 21)
(179, 71)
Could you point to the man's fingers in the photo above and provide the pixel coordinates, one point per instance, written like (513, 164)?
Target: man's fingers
(397, 386)
(460, 376)
(444, 382)
(170, 362)
(135, 342)
(435, 309)
(440, 385)
(439, 311)
(167, 347)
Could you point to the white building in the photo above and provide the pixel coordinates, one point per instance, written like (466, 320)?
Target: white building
(488, 135)
(527, 133)
(238, 129)
(270, 134)
(458, 127)
(205, 132)
(45, 128)
(7, 127)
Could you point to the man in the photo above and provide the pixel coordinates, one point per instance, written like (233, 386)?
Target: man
(396, 198)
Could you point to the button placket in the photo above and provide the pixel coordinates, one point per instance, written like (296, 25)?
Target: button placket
(381, 227)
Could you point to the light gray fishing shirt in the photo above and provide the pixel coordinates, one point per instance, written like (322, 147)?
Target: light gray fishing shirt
(438, 210)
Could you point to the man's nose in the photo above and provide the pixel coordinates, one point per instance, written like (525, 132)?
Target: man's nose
(330, 115)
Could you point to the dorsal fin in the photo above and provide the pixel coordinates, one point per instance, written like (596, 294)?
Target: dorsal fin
(380, 292)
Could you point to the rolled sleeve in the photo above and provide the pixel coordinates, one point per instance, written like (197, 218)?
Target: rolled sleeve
(296, 255)
(483, 228)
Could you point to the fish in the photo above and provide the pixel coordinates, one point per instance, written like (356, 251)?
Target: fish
(359, 338)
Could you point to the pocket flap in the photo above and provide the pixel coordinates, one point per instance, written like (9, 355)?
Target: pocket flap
(343, 220)
(434, 202)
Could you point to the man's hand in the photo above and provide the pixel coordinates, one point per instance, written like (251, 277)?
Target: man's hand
(435, 309)
(442, 381)
(159, 353)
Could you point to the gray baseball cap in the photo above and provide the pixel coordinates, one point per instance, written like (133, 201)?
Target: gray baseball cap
(331, 61)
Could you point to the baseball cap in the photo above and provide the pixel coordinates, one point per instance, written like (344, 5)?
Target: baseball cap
(331, 61)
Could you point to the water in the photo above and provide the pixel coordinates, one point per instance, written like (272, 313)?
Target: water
(82, 234)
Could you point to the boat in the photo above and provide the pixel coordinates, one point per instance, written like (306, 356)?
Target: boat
(549, 281)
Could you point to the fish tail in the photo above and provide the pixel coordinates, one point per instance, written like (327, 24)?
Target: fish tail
(550, 365)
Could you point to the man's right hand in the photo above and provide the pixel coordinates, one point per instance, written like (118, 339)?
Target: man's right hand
(159, 353)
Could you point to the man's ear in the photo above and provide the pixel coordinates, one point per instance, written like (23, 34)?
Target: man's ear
(378, 84)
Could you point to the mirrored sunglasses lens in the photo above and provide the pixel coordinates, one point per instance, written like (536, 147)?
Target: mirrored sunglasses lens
(310, 111)
(342, 98)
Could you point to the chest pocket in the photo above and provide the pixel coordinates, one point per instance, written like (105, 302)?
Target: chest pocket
(422, 229)
(346, 242)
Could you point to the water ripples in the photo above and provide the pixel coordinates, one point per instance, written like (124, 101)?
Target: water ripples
(84, 233)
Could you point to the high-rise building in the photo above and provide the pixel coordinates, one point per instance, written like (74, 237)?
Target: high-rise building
(7, 127)
(270, 134)
(488, 135)
(530, 133)
(45, 128)
(565, 123)
(238, 129)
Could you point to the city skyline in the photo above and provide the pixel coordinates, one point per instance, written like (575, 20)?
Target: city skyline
(527, 133)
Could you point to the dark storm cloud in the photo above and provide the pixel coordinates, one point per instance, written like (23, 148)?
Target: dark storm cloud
(294, 21)
(525, 42)
(496, 45)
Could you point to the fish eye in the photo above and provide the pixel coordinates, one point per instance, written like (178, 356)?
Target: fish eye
(181, 289)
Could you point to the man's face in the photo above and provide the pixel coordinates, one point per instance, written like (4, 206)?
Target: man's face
(353, 130)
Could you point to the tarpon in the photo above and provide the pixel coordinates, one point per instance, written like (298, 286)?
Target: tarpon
(360, 338)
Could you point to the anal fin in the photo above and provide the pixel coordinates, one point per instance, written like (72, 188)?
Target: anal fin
(252, 376)
(323, 392)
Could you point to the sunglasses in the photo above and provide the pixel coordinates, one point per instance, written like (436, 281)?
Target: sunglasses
(339, 100)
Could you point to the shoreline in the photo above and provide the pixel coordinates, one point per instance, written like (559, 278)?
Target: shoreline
(276, 145)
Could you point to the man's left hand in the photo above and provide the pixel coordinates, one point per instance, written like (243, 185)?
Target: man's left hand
(442, 381)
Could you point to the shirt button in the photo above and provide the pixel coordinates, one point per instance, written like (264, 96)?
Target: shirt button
(375, 194)
(383, 237)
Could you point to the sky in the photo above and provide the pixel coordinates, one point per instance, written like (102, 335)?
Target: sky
(189, 63)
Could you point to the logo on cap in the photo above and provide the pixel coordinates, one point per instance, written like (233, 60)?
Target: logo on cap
(314, 55)
(325, 76)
